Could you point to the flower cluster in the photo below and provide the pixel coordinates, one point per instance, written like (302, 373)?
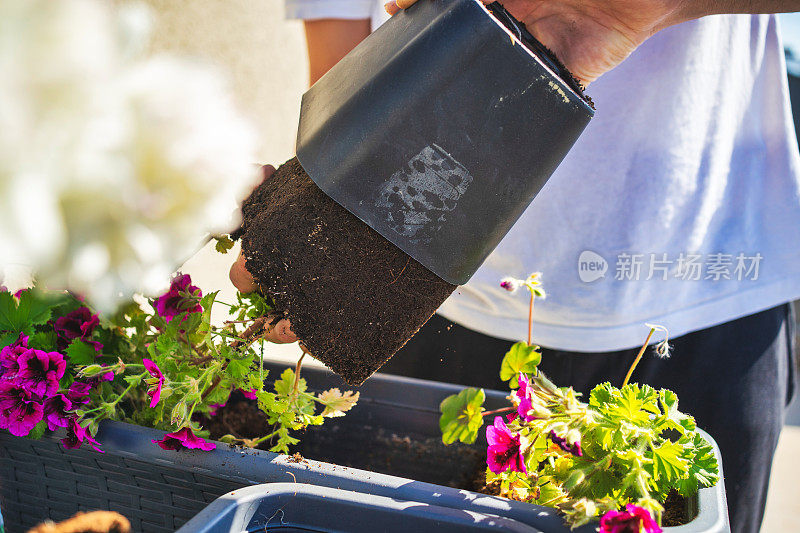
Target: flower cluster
(35, 389)
(168, 367)
(114, 164)
(616, 456)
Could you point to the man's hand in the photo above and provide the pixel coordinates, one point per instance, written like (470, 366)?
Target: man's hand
(593, 36)
(281, 331)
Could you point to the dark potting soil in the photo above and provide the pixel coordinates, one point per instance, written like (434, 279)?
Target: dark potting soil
(418, 457)
(351, 296)
(362, 446)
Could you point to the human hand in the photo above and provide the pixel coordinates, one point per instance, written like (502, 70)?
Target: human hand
(590, 37)
(281, 331)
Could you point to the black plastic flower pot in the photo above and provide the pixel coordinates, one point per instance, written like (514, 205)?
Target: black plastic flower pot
(440, 128)
(388, 446)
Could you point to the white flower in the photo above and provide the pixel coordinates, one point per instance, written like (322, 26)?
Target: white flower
(511, 284)
(112, 167)
(662, 348)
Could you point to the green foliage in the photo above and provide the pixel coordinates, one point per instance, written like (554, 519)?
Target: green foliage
(223, 243)
(522, 357)
(200, 364)
(462, 416)
(635, 447)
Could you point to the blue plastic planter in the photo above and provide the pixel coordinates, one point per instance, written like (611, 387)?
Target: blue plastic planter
(393, 429)
(308, 508)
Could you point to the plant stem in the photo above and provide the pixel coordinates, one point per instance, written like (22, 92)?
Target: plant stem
(638, 357)
(297, 373)
(530, 321)
(498, 411)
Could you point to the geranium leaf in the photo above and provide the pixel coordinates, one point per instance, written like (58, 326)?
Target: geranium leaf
(522, 357)
(462, 416)
(667, 461)
(80, 353)
(337, 403)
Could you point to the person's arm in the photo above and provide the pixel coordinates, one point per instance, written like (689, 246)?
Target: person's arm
(593, 36)
(329, 40)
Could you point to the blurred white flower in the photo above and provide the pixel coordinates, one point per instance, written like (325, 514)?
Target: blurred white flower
(113, 167)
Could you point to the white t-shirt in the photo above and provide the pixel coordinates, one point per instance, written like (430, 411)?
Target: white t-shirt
(685, 188)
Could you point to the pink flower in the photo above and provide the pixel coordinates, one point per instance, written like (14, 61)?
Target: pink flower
(181, 298)
(39, 371)
(249, 394)
(79, 324)
(524, 395)
(574, 449)
(184, 438)
(633, 519)
(77, 435)
(78, 392)
(504, 449)
(9, 356)
(55, 411)
(20, 411)
(154, 392)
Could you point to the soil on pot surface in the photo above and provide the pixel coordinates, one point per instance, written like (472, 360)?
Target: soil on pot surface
(352, 297)
(419, 457)
(362, 446)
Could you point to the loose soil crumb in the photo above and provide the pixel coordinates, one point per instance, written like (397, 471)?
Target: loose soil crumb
(297, 458)
(93, 522)
(352, 297)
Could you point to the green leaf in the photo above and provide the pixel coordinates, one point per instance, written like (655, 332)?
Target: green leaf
(634, 404)
(80, 353)
(703, 467)
(461, 416)
(337, 403)
(522, 357)
(283, 386)
(43, 340)
(672, 418)
(224, 243)
(667, 461)
(38, 430)
(22, 315)
(237, 369)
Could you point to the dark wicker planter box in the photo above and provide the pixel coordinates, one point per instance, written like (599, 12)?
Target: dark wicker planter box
(393, 430)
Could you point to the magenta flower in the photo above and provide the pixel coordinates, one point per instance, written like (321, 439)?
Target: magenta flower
(39, 371)
(154, 392)
(181, 298)
(249, 394)
(574, 449)
(55, 411)
(212, 408)
(19, 410)
(79, 324)
(78, 392)
(633, 519)
(9, 356)
(504, 451)
(77, 435)
(524, 395)
(184, 438)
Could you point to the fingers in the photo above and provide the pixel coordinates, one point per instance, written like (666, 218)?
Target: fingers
(280, 332)
(240, 277)
(396, 5)
(267, 171)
